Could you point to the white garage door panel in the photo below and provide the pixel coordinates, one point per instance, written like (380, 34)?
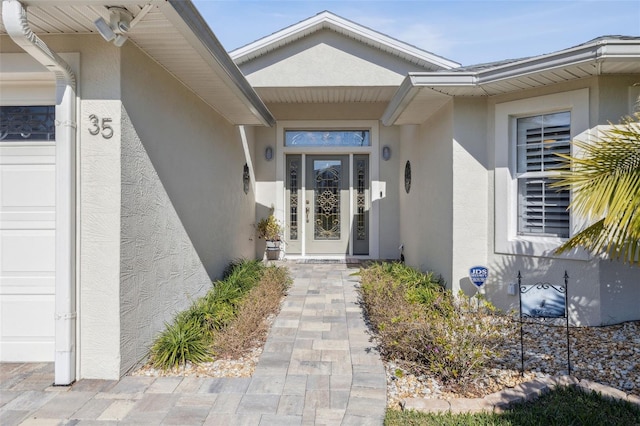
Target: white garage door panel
(21, 153)
(18, 319)
(27, 251)
(31, 283)
(31, 251)
(27, 328)
(28, 186)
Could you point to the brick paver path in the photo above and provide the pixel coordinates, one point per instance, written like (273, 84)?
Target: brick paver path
(318, 368)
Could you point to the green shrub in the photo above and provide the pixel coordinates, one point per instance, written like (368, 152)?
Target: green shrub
(424, 327)
(219, 306)
(190, 336)
(182, 341)
(243, 273)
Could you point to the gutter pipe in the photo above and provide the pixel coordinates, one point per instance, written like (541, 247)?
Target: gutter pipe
(14, 17)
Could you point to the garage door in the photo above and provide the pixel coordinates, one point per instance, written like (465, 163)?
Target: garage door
(27, 233)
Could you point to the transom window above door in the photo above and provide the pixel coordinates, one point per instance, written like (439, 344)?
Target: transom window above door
(327, 138)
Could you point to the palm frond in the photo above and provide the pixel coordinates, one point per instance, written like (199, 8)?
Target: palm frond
(605, 180)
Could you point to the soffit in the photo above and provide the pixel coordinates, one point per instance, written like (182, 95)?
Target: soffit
(175, 36)
(324, 95)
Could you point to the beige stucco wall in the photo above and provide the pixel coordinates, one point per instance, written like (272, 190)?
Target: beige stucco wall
(198, 156)
(470, 186)
(327, 58)
(184, 212)
(265, 171)
(426, 222)
(389, 232)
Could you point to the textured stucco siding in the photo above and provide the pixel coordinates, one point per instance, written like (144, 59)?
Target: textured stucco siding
(389, 224)
(327, 58)
(198, 157)
(160, 271)
(426, 218)
(470, 185)
(619, 292)
(184, 212)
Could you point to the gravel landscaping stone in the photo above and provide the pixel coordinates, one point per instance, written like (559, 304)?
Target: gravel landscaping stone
(608, 356)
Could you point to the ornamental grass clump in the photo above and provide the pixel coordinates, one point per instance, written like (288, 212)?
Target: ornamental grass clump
(182, 341)
(249, 327)
(191, 336)
(424, 327)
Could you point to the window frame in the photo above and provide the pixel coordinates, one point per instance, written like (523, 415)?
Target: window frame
(507, 238)
(542, 174)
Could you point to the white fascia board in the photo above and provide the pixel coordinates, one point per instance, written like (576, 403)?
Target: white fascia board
(327, 20)
(402, 98)
(106, 3)
(414, 82)
(621, 51)
(446, 79)
(600, 51)
(186, 18)
(594, 53)
(563, 59)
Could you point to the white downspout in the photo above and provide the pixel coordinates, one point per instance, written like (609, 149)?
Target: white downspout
(14, 17)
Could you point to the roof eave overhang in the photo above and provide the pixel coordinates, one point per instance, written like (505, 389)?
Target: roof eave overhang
(443, 81)
(188, 20)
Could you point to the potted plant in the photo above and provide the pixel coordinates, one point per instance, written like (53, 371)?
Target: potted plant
(270, 230)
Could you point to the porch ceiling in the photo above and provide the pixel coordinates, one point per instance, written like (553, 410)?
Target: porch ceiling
(172, 33)
(316, 95)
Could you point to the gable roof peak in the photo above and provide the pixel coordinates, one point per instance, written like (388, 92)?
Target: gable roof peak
(327, 20)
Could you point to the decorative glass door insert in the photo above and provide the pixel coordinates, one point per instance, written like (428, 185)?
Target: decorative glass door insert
(327, 204)
(327, 177)
(318, 192)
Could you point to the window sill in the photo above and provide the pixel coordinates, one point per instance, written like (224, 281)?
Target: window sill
(539, 247)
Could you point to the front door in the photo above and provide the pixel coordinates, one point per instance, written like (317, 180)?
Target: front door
(327, 226)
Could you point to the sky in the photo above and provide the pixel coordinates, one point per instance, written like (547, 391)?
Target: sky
(468, 32)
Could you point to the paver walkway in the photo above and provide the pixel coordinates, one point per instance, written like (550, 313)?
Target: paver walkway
(317, 368)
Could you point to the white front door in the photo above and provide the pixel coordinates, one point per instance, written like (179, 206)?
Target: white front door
(327, 225)
(27, 244)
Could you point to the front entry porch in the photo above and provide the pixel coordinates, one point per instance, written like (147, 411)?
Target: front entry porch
(326, 199)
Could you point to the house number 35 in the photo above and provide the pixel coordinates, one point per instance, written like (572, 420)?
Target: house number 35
(100, 126)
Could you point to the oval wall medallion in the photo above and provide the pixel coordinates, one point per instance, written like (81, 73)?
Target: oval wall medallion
(407, 176)
(246, 178)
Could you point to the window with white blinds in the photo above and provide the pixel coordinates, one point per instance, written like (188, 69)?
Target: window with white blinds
(542, 210)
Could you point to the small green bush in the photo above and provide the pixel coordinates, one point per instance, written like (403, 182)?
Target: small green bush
(424, 327)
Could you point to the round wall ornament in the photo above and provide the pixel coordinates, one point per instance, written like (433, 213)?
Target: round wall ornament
(407, 176)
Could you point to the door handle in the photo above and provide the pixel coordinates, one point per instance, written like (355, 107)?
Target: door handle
(307, 210)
